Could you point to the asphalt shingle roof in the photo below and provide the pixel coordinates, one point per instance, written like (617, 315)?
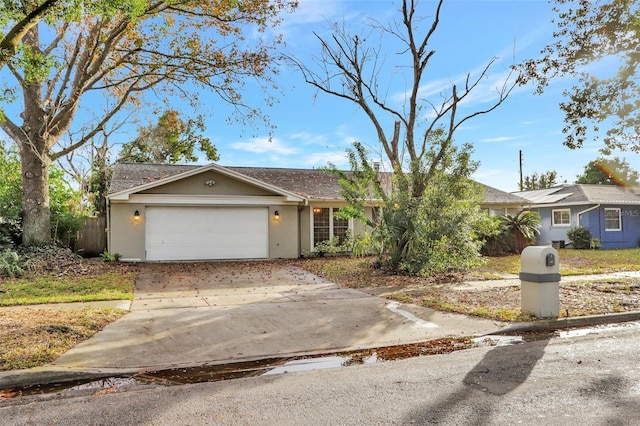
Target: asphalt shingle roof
(496, 196)
(309, 183)
(129, 175)
(583, 194)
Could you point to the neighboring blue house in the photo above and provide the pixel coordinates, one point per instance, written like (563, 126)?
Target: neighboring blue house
(611, 213)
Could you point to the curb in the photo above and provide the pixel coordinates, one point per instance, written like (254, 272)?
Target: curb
(557, 324)
(46, 376)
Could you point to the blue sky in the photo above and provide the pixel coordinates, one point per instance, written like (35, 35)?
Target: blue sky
(312, 130)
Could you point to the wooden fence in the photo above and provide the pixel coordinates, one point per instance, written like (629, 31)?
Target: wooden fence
(92, 237)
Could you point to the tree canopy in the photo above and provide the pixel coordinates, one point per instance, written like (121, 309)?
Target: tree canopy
(104, 57)
(589, 33)
(614, 171)
(430, 220)
(170, 141)
(540, 181)
(352, 67)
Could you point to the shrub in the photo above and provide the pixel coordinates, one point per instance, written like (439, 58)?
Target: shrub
(10, 234)
(110, 257)
(334, 245)
(366, 244)
(10, 264)
(580, 238)
(515, 233)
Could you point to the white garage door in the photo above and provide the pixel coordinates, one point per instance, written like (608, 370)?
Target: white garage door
(206, 233)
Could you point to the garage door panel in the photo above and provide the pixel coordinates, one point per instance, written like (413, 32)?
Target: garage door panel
(206, 233)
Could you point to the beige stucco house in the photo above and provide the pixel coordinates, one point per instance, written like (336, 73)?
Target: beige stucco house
(163, 212)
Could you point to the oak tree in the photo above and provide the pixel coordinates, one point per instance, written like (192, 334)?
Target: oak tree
(170, 141)
(614, 171)
(104, 62)
(587, 33)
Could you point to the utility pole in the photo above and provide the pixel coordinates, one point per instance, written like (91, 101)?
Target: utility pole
(521, 183)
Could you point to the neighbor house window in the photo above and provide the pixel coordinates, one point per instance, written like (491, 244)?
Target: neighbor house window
(612, 220)
(561, 217)
(327, 225)
(496, 212)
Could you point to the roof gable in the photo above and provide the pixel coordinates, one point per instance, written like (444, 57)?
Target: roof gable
(130, 178)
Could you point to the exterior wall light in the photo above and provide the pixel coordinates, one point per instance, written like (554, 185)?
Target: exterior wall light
(276, 215)
(136, 215)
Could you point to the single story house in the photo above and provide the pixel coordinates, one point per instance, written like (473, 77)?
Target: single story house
(159, 212)
(611, 213)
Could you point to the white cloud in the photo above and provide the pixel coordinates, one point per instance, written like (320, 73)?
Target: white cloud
(321, 159)
(308, 138)
(264, 145)
(499, 139)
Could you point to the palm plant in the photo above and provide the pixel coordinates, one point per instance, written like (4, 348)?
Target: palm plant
(522, 227)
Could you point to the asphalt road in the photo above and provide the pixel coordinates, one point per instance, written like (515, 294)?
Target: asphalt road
(581, 379)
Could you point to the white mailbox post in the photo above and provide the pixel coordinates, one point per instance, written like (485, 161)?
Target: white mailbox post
(540, 282)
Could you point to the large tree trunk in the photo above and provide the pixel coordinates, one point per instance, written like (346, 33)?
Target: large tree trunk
(36, 220)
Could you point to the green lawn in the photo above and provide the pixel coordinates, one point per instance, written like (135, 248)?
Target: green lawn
(577, 262)
(54, 289)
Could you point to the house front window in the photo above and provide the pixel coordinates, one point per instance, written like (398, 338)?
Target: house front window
(326, 225)
(340, 227)
(321, 225)
(561, 217)
(612, 220)
(496, 212)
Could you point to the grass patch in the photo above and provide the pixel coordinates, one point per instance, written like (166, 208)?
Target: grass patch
(576, 262)
(441, 303)
(60, 289)
(33, 337)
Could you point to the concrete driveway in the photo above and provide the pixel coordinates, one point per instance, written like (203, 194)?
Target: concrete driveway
(214, 313)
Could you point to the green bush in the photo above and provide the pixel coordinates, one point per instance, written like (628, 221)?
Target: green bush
(366, 244)
(10, 264)
(437, 232)
(334, 245)
(515, 232)
(580, 238)
(10, 234)
(110, 257)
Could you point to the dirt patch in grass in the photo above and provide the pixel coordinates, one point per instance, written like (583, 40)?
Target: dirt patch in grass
(32, 337)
